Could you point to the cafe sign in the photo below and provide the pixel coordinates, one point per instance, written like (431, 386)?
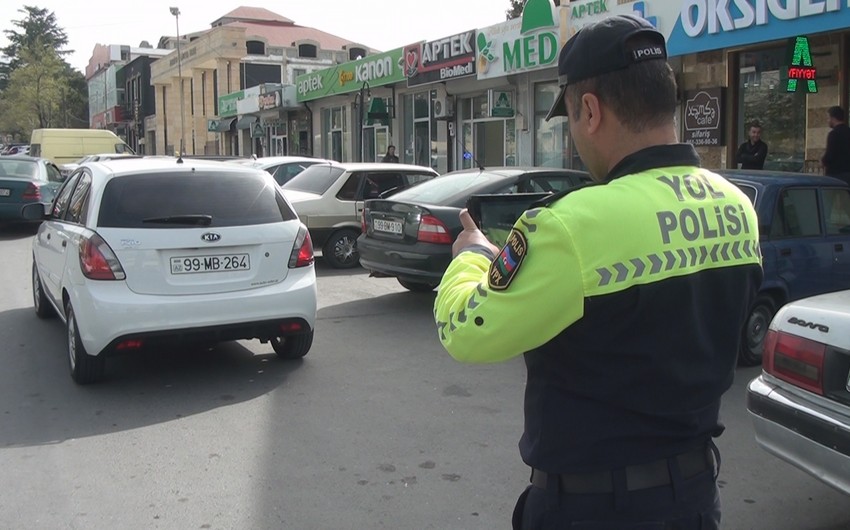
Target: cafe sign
(376, 70)
(704, 117)
(521, 44)
(440, 60)
(269, 100)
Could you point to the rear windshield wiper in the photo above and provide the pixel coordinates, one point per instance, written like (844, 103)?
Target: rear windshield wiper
(194, 219)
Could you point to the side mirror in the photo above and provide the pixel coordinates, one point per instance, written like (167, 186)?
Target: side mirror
(34, 212)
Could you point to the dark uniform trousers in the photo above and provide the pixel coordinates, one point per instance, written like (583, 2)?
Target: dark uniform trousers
(686, 499)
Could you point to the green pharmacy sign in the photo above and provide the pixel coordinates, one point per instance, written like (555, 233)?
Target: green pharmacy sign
(519, 45)
(801, 67)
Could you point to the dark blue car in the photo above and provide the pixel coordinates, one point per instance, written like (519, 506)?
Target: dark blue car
(804, 226)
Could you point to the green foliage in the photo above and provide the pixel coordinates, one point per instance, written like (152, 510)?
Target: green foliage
(38, 88)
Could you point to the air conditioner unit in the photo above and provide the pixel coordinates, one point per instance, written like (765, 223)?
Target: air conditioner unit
(444, 107)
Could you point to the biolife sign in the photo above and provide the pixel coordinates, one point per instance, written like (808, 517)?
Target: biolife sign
(692, 26)
(519, 45)
(376, 70)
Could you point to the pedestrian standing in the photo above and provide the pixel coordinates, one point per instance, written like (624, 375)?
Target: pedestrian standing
(836, 158)
(390, 156)
(622, 299)
(752, 153)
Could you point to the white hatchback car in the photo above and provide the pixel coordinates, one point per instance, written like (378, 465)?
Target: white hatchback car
(142, 252)
(800, 404)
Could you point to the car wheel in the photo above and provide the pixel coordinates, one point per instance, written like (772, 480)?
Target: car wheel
(340, 251)
(755, 331)
(39, 300)
(417, 287)
(85, 368)
(293, 346)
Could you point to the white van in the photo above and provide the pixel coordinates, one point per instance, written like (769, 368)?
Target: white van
(63, 146)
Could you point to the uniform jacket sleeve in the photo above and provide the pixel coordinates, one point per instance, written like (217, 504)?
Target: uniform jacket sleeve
(481, 318)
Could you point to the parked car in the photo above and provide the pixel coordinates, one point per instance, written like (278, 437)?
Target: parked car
(410, 235)
(137, 253)
(15, 149)
(283, 168)
(804, 227)
(329, 200)
(26, 180)
(67, 169)
(800, 404)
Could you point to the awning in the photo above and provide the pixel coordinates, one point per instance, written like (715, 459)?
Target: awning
(246, 121)
(223, 125)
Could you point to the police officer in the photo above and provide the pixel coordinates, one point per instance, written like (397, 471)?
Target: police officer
(627, 298)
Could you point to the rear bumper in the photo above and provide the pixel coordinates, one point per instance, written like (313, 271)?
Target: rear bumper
(108, 312)
(417, 262)
(813, 438)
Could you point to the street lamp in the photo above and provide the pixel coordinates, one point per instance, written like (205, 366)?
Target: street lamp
(176, 12)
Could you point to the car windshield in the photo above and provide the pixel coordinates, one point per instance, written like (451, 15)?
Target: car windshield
(315, 179)
(25, 169)
(441, 189)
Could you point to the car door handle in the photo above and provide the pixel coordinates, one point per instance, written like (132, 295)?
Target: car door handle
(64, 244)
(785, 252)
(48, 235)
(839, 247)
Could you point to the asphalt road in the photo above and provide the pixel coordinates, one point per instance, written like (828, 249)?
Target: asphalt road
(376, 428)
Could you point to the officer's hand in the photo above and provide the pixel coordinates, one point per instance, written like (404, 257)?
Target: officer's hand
(470, 235)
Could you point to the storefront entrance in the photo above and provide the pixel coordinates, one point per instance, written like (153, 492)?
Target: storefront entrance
(376, 139)
(490, 142)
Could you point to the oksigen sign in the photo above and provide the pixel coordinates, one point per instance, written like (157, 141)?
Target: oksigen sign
(440, 60)
(376, 70)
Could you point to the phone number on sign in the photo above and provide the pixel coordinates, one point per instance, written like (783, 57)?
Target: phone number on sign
(703, 141)
(232, 262)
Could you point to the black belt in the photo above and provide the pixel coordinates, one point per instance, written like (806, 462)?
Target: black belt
(639, 477)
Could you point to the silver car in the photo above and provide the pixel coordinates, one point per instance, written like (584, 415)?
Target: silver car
(800, 404)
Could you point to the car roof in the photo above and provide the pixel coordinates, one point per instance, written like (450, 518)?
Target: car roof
(767, 177)
(378, 166)
(18, 158)
(119, 167)
(512, 171)
(288, 158)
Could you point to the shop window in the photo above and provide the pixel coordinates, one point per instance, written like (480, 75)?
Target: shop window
(552, 146)
(763, 98)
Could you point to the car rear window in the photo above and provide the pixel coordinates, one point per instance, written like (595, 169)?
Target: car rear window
(23, 169)
(230, 200)
(440, 189)
(315, 179)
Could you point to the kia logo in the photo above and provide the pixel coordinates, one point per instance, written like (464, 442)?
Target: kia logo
(211, 237)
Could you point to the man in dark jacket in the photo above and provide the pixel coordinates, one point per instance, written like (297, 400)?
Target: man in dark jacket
(751, 154)
(390, 156)
(836, 159)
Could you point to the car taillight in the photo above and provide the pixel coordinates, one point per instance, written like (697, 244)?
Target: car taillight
(129, 344)
(794, 359)
(97, 260)
(432, 230)
(302, 250)
(31, 193)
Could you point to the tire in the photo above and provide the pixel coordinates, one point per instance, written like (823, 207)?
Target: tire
(293, 346)
(417, 287)
(39, 300)
(85, 369)
(755, 330)
(340, 251)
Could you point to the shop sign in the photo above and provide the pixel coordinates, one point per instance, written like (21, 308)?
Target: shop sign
(375, 70)
(257, 130)
(800, 67)
(227, 104)
(501, 103)
(692, 26)
(213, 125)
(440, 60)
(704, 123)
(269, 100)
(519, 45)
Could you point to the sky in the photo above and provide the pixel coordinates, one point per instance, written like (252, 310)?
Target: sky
(379, 24)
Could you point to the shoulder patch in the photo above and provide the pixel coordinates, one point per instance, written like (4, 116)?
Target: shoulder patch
(505, 266)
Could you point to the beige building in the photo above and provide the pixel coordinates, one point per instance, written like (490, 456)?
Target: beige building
(246, 48)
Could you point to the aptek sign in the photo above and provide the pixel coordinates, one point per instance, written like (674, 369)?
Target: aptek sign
(440, 60)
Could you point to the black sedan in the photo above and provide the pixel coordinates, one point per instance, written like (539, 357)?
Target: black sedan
(410, 236)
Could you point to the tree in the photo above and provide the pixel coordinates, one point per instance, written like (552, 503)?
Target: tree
(515, 10)
(40, 26)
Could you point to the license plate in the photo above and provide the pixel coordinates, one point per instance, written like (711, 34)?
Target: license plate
(382, 225)
(5, 192)
(218, 263)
